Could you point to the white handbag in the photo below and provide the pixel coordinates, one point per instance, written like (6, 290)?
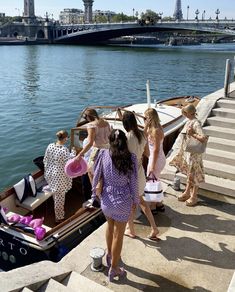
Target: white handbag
(153, 190)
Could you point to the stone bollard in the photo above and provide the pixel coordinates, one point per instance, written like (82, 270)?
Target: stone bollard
(176, 184)
(97, 254)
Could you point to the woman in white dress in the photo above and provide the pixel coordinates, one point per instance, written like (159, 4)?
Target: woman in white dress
(137, 144)
(157, 159)
(55, 158)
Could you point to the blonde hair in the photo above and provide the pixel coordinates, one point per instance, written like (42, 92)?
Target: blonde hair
(189, 109)
(62, 134)
(153, 117)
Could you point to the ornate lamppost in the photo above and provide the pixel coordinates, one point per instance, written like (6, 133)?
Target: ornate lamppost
(203, 15)
(133, 13)
(187, 11)
(217, 12)
(197, 12)
(136, 14)
(160, 15)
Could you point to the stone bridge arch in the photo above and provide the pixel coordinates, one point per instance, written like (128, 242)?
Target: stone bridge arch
(40, 34)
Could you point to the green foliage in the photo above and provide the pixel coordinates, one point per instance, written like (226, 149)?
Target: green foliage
(150, 15)
(10, 19)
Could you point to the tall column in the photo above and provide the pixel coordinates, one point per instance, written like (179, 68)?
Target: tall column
(88, 10)
(178, 15)
(29, 14)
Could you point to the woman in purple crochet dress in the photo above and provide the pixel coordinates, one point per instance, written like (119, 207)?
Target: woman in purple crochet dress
(117, 168)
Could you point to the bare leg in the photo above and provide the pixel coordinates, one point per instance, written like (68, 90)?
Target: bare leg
(192, 201)
(187, 190)
(194, 192)
(146, 209)
(118, 233)
(130, 230)
(109, 234)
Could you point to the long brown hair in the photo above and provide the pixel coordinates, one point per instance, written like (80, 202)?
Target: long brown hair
(92, 114)
(130, 124)
(121, 156)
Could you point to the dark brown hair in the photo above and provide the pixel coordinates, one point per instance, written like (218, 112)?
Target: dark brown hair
(91, 113)
(130, 124)
(121, 156)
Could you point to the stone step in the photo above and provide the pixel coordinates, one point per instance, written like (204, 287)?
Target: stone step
(218, 185)
(221, 144)
(224, 112)
(54, 286)
(221, 122)
(225, 133)
(219, 169)
(220, 156)
(77, 282)
(214, 184)
(226, 103)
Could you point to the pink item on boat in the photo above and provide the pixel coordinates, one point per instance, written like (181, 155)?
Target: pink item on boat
(74, 167)
(36, 222)
(39, 232)
(26, 219)
(14, 218)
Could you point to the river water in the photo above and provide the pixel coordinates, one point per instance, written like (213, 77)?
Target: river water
(44, 88)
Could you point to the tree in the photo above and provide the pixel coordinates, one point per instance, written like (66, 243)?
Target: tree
(150, 16)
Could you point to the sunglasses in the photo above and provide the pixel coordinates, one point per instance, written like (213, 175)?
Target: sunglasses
(84, 116)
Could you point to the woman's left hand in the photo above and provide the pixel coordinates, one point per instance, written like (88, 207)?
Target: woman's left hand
(190, 131)
(151, 172)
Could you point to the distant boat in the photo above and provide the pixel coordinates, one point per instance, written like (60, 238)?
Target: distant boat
(133, 40)
(182, 41)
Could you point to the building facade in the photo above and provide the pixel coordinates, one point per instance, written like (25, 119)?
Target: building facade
(71, 16)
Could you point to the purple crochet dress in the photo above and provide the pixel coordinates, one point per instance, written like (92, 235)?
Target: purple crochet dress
(120, 191)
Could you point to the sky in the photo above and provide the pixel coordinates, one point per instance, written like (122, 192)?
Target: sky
(226, 7)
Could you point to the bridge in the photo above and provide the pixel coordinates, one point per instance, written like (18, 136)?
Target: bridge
(99, 32)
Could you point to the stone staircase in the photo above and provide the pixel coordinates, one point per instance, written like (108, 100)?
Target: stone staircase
(219, 158)
(69, 281)
(72, 281)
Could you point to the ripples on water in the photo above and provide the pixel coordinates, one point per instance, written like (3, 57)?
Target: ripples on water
(44, 88)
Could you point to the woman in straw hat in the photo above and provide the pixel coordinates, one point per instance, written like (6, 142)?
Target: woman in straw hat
(190, 163)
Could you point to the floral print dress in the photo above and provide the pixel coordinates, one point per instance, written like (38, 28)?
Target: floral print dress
(187, 163)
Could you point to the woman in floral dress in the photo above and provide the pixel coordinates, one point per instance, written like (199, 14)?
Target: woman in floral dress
(187, 163)
(117, 168)
(55, 158)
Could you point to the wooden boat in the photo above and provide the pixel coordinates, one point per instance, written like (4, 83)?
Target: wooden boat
(18, 244)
